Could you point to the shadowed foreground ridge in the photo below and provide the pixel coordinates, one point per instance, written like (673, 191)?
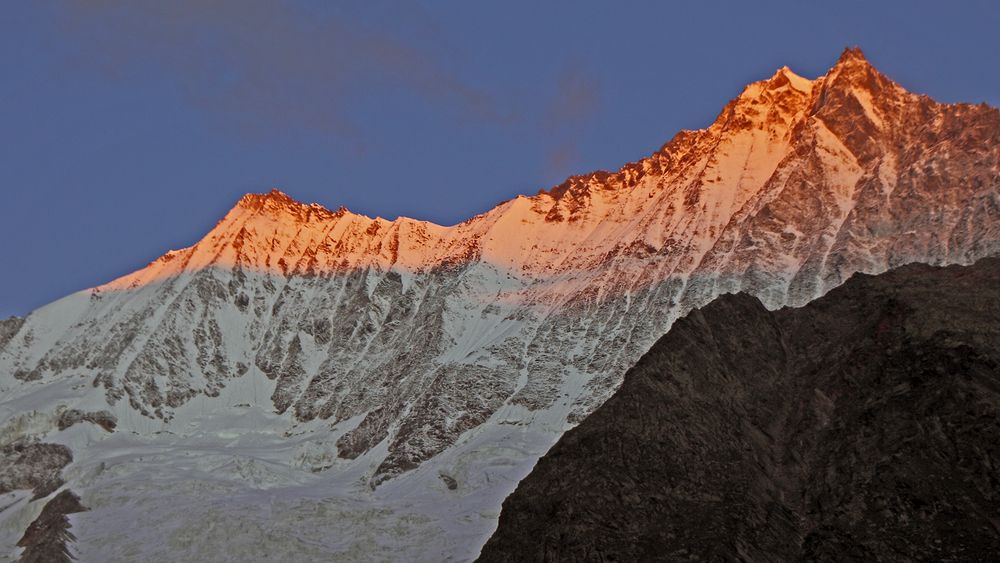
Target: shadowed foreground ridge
(863, 425)
(47, 538)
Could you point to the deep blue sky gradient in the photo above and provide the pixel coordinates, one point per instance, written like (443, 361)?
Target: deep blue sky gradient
(127, 129)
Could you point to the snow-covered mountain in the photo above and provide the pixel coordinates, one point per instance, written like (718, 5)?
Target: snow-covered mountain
(379, 387)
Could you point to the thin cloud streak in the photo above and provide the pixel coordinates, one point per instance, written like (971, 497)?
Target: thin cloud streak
(573, 107)
(266, 65)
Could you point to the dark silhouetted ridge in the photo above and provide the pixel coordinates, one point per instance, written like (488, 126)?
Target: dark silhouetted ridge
(863, 426)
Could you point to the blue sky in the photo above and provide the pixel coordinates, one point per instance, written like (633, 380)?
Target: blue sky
(129, 128)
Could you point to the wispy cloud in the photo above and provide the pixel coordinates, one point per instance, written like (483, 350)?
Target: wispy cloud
(577, 97)
(267, 64)
(572, 108)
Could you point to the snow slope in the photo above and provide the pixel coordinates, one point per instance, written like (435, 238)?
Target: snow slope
(306, 384)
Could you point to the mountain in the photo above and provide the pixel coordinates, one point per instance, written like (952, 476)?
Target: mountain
(410, 373)
(861, 426)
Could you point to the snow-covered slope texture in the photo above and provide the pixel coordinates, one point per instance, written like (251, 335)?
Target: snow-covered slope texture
(385, 360)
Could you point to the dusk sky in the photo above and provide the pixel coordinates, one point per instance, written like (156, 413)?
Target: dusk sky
(128, 129)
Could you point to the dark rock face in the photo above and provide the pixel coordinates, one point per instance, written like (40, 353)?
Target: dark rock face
(35, 466)
(46, 539)
(865, 426)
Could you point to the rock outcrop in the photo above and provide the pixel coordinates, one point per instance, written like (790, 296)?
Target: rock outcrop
(33, 465)
(8, 328)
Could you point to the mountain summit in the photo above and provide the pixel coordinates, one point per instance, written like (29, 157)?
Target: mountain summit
(378, 357)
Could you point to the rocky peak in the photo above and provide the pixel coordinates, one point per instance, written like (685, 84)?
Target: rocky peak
(783, 84)
(852, 55)
(785, 77)
(772, 104)
(275, 197)
(856, 102)
(280, 206)
(853, 72)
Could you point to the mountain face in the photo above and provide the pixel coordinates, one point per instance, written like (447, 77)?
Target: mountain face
(373, 358)
(863, 426)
